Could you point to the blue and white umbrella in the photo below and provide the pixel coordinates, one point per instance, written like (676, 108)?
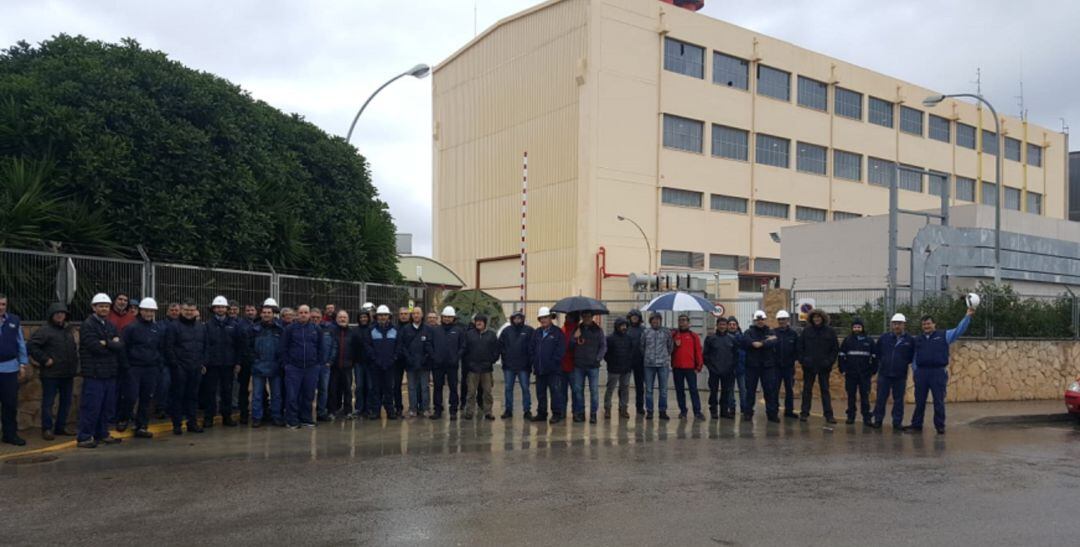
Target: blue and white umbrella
(679, 301)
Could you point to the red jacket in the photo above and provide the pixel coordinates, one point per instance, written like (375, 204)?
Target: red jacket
(568, 357)
(687, 353)
(121, 320)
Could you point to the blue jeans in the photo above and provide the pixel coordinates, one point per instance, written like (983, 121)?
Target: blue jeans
(593, 375)
(652, 374)
(324, 391)
(769, 379)
(740, 383)
(930, 381)
(299, 393)
(419, 390)
(50, 388)
(887, 386)
(686, 378)
(96, 405)
(258, 386)
(550, 384)
(362, 386)
(522, 377)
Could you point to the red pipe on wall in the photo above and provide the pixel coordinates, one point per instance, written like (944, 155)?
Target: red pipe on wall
(601, 272)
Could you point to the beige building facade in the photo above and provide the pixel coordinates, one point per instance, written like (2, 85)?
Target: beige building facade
(709, 136)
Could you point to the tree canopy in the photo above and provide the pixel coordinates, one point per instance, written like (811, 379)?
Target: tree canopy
(104, 146)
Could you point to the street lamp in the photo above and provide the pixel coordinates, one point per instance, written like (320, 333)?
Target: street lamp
(419, 71)
(934, 100)
(645, 237)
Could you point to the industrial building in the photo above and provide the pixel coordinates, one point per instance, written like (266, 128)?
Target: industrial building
(708, 137)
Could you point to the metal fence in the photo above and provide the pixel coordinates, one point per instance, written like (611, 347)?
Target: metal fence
(34, 279)
(1000, 316)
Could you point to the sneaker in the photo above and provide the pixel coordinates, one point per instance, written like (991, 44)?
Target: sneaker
(507, 415)
(112, 440)
(538, 418)
(309, 425)
(121, 426)
(87, 444)
(47, 435)
(412, 413)
(293, 427)
(143, 434)
(15, 440)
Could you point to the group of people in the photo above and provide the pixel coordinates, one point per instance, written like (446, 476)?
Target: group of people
(296, 367)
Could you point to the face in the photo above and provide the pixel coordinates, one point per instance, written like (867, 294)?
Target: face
(417, 315)
(517, 320)
(545, 321)
(58, 318)
(897, 327)
(101, 310)
(928, 326)
(759, 321)
(684, 323)
(480, 325)
(782, 322)
(654, 321)
(147, 315)
(635, 320)
(3, 306)
(267, 315)
(174, 311)
(219, 310)
(303, 314)
(287, 316)
(251, 313)
(586, 318)
(188, 311)
(342, 318)
(403, 315)
(817, 320)
(364, 319)
(382, 318)
(331, 309)
(733, 326)
(856, 329)
(314, 313)
(622, 328)
(234, 311)
(433, 319)
(721, 327)
(121, 302)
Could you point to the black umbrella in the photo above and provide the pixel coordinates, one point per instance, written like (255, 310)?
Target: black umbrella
(572, 304)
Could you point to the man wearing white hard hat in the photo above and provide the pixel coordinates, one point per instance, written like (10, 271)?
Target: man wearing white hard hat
(786, 348)
(447, 345)
(383, 349)
(546, 351)
(100, 352)
(931, 362)
(894, 351)
(144, 344)
(761, 368)
(224, 350)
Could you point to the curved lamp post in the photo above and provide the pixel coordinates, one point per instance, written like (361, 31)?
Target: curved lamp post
(934, 100)
(648, 247)
(419, 71)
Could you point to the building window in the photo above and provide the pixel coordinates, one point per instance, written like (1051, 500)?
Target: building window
(989, 193)
(880, 172)
(813, 94)
(940, 128)
(843, 215)
(772, 150)
(773, 82)
(684, 58)
(810, 158)
(911, 120)
(682, 259)
(910, 180)
(848, 103)
(1012, 149)
(938, 180)
(767, 265)
(682, 133)
(770, 209)
(680, 198)
(731, 143)
(809, 214)
(1012, 198)
(989, 142)
(965, 188)
(847, 165)
(729, 204)
(965, 135)
(1034, 203)
(881, 112)
(1034, 155)
(730, 71)
(729, 262)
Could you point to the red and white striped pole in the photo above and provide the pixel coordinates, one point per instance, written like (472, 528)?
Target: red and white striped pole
(524, 211)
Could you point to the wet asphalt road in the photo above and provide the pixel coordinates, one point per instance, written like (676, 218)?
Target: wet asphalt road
(503, 483)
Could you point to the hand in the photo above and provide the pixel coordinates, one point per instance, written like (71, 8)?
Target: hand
(22, 371)
(771, 337)
(970, 312)
(678, 342)
(758, 345)
(115, 338)
(49, 363)
(236, 369)
(202, 370)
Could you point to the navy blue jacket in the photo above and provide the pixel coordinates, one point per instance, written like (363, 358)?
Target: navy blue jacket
(265, 339)
(763, 357)
(932, 350)
(246, 331)
(99, 360)
(360, 342)
(185, 344)
(414, 343)
(382, 346)
(787, 347)
(144, 343)
(895, 354)
(302, 346)
(447, 346)
(857, 355)
(546, 350)
(514, 347)
(224, 345)
(12, 345)
(637, 358)
(720, 353)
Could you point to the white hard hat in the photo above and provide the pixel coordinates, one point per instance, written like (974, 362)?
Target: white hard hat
(449, 312)
(544, 312)
(899, 318)
(219, 301)
(760, 315)
(100, 298)
(367, 306)
(148, 304)
(783, 314)
(973, 300)
(270, 302)
(382, 310)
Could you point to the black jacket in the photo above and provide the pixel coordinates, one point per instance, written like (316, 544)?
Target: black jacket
(818, 345)
(786, 347)
(56, 343)
(590, 346)
(144, 343)
(224, 343)
(514, 347)
(634, 332)
(763, 357)
(447, 344)
(100, 348)
(620, 350)
(360, 341)
(414, 343)
(185, 345)
(721, 353)
(858, 355)
(481, 351)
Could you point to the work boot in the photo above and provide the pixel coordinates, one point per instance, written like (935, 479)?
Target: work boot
(47, 435)
(142, 433)
(506, 415)
(624, 414)
(699, 416)
(112, 440)
(489, 416)
(89, 443)
(228, 422)
(16, 440)
(664, 416)
(592, 418)
(121, 426)
(648, 415)
(177, 429)
(538, 418)
(555, 419)
(849, 421)
(527, 415)
(940, 430)
(830, 420)
(193, 427)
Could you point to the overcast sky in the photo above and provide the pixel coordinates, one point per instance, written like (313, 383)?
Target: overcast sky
(322, 59)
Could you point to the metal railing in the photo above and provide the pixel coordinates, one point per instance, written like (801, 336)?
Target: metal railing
(34, 279)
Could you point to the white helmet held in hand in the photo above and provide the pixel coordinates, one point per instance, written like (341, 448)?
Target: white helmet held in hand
(382, 310)
(219, 301)
(972, 300)
(100, 298)
(899, 318)
(148, 304)
(449, 312)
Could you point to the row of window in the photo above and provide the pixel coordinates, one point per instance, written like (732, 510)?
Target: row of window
(689, 59)
(696, 261)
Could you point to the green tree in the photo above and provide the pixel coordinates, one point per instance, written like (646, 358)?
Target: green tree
(128, 147)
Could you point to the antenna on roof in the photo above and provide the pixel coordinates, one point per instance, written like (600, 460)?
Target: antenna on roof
(978, 81)
(1064, 126)
(1020, 97)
